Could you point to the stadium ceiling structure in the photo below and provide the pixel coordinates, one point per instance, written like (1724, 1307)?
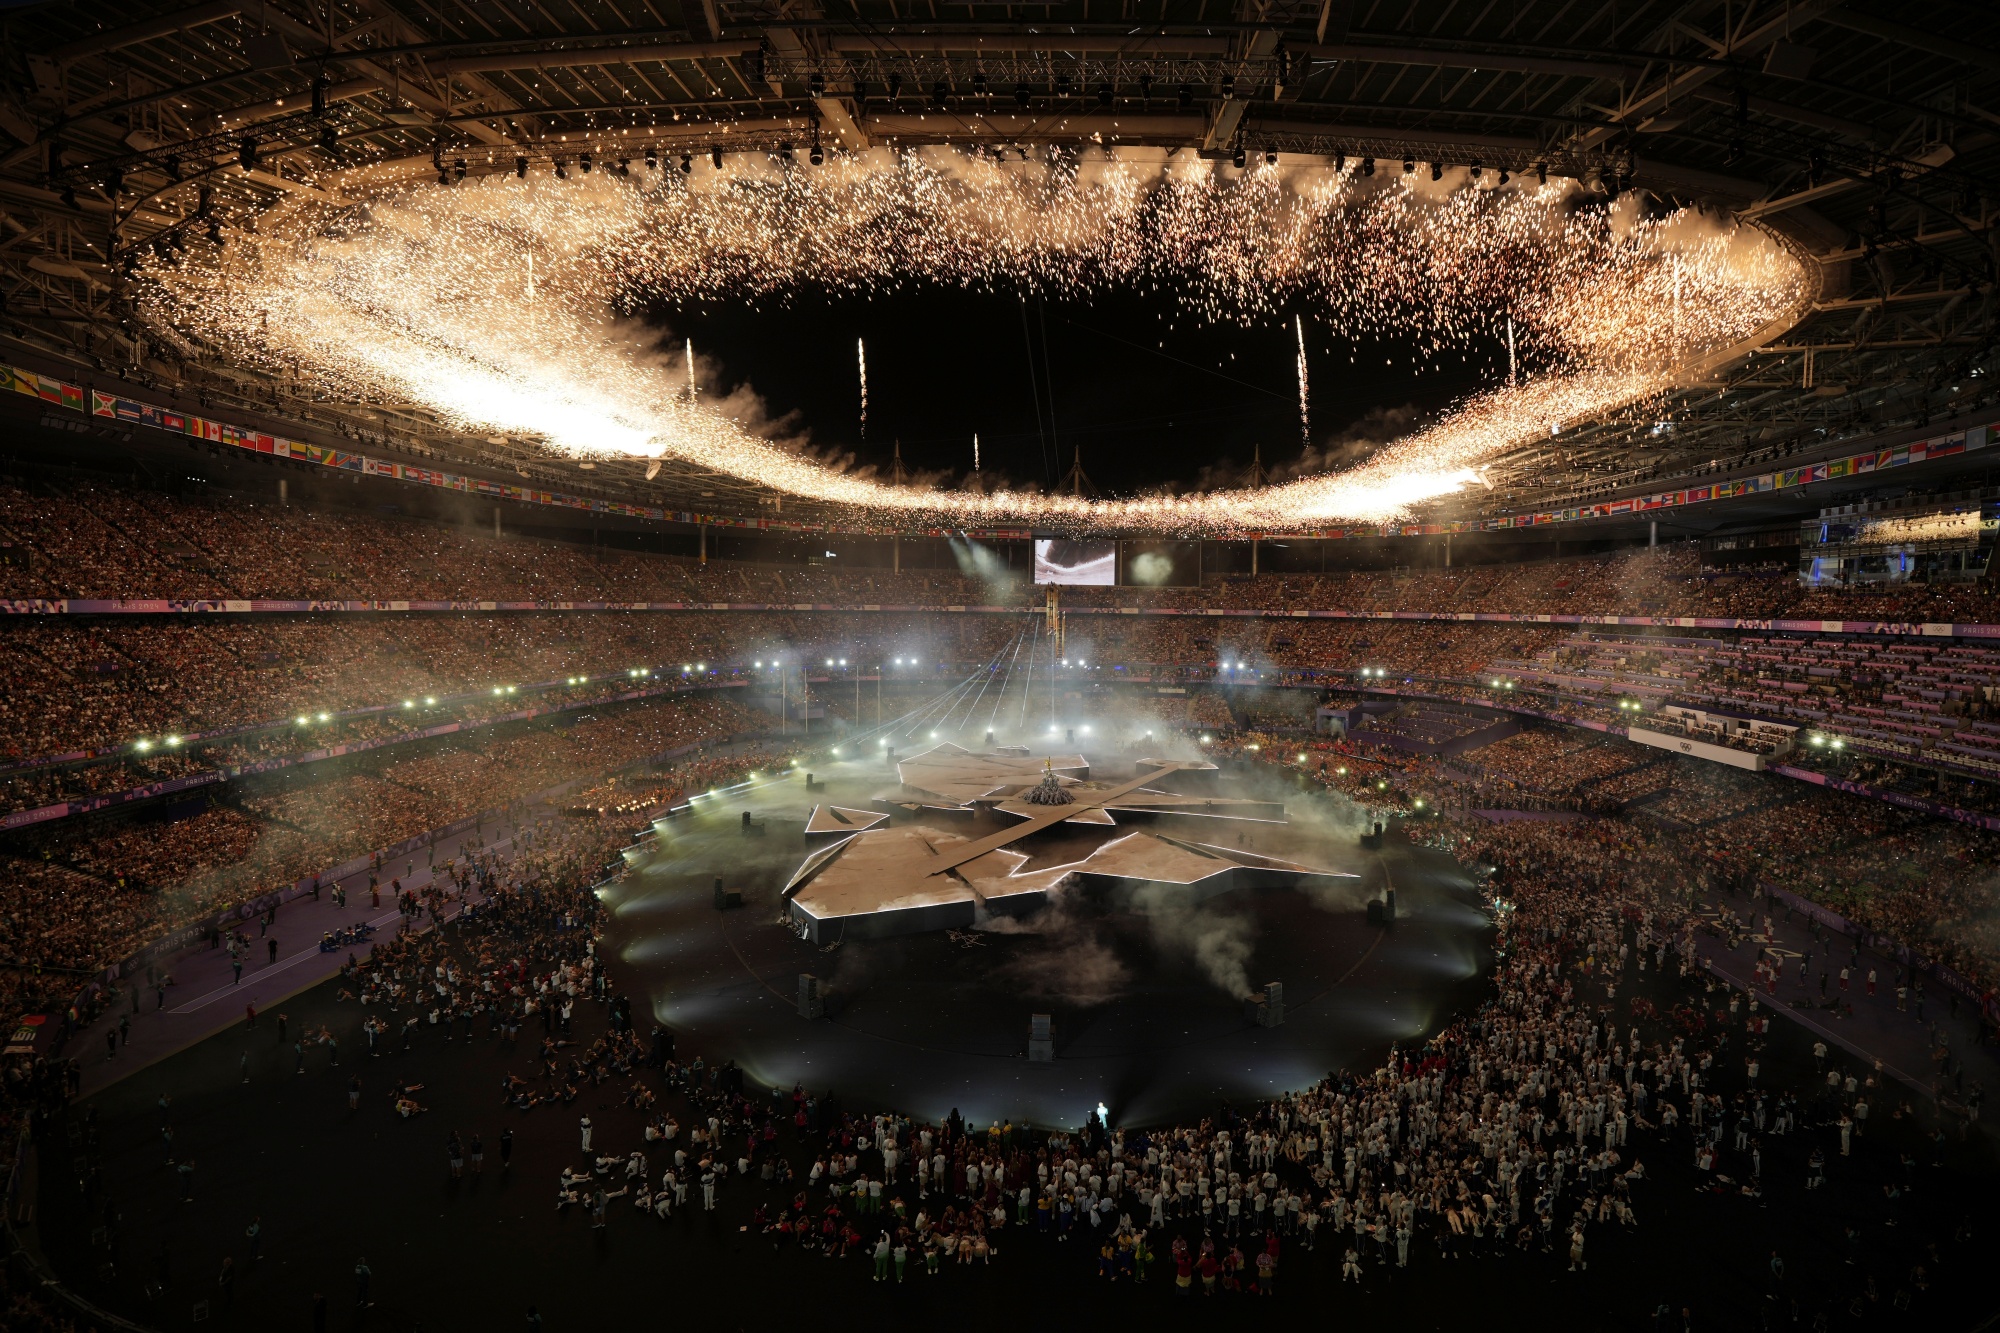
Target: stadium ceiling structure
(1866, 141)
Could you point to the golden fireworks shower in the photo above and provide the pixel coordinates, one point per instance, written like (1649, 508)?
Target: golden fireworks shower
(507, 305)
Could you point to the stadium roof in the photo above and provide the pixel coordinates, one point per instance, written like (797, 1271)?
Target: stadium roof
(1866, 140)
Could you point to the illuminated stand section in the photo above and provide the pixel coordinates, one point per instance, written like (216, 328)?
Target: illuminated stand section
(874, 876)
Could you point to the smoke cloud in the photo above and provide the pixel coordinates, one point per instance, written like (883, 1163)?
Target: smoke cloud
(1220, 945)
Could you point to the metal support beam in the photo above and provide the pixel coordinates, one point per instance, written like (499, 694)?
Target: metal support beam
(1681, 85)
(119, 38)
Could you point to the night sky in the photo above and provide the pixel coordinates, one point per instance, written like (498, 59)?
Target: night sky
(945, 363)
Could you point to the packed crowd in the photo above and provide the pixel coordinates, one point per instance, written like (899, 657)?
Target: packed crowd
(1926, 882)
(83, 685)
(94, 540)
(1525, 1132)
(80, 897)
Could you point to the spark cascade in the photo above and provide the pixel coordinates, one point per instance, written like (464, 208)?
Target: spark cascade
(508, 305)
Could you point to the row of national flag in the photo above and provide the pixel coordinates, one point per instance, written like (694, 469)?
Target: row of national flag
(53, 390)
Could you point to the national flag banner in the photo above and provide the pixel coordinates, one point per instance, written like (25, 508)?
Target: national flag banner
(1839, 467)
(1892, 458)
(72, 397)
(265, 443)
(49, 388)
(103, 404)
(1818, 472)
(173, 421)
(127, 410)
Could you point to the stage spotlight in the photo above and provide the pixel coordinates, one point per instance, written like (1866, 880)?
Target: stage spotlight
(895, 86)
(444, 177)
(1021, 95)
(1229, 85)
(1437, 171)
(1185, 96)
(1063, 85)
(562, 174)
(1541, 173)
(624, 166)
(818, 156)
(938, 94)
(816, 84)
(329, 143)
(1474, 168)
(1239, 157)
(1270, 157)
(1104, 94)
(652, 160)
(246, 154)
(521, 168)
(715, 156)
(1409, 166)
(979, 85)
(1504, 177)
(1368, 166)
(583, 160)
(687, 163)
(430, 701)
(173, 742)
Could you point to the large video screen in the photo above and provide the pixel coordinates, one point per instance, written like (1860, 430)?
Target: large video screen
(1092, 564)
(1162, 564)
